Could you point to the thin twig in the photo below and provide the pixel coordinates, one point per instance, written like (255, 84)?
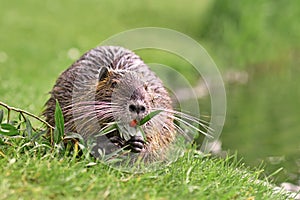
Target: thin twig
(9, 108)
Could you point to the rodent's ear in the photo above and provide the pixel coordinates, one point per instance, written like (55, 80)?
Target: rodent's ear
(103, 73)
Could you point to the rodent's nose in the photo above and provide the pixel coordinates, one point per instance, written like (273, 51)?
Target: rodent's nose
(137, 108)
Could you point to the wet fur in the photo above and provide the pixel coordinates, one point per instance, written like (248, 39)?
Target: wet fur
(86, 98)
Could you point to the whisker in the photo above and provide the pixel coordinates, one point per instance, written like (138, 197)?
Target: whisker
(189, 117)
(182, 132)
(184, 117)
(192, 126)
(174, 117)
(90, 103)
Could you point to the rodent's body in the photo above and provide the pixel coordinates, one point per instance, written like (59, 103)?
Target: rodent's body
(111, 84)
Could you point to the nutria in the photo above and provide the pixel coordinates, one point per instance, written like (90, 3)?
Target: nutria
(112, 85)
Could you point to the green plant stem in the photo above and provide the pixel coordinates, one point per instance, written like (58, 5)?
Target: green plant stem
(8, 114)
(22, 112)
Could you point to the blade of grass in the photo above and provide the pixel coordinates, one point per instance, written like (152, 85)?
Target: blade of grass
(1, 142)
(37, 135)
(59, 124)
(143, 133)
(149, 116)
(1, 116)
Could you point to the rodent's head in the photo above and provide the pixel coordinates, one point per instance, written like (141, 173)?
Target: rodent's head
(124, 89)
(131, 96)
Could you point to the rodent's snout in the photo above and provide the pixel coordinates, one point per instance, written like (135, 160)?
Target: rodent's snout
(137, 108)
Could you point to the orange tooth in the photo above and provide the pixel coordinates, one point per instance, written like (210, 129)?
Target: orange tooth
(133, 123)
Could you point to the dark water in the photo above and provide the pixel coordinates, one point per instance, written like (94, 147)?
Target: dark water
(263, 121)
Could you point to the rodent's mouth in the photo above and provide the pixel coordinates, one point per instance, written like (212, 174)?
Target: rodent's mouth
(133, 123)
(129, 129)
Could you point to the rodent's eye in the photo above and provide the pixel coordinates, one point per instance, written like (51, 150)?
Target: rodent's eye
(114, 84)
(103, 74)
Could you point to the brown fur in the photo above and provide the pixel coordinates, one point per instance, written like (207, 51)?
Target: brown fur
(90, 102)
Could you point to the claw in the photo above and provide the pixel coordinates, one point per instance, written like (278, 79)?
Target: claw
(136, 144)
(117, 141)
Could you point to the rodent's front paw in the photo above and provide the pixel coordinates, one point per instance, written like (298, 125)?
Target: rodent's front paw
(117, 141)
(136, 144)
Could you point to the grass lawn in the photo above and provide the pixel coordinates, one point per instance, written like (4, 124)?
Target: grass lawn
(35, 39)
(32, 176)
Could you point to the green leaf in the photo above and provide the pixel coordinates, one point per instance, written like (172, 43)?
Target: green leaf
(2, 142)
(143, 133)
(109, 129)
(28, 127)
(20, 116)
(38, 135)
(149, 116)
(1, 116)
(8, 130)
(59, 124)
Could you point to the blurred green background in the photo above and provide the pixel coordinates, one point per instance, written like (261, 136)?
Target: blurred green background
(254, 43)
